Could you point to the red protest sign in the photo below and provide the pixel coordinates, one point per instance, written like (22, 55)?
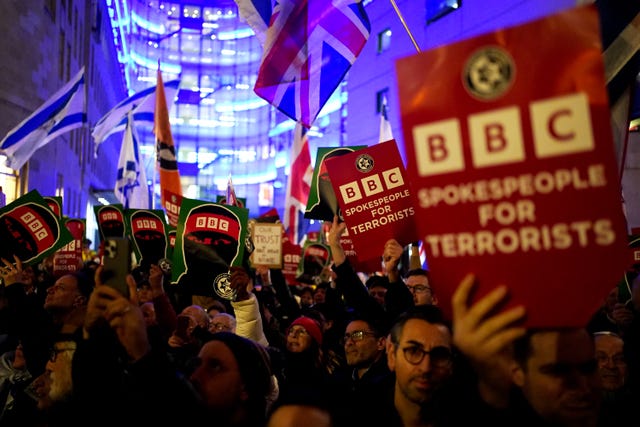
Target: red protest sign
(374, 197)
(511, 158)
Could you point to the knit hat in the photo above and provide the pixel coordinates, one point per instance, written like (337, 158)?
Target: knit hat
(311, 326)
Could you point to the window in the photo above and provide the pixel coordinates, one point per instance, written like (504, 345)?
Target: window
(380, 97)
(436, 9)
(384, 40)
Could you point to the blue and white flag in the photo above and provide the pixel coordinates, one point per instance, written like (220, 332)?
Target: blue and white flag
(142, 104)
(131, 185)
(64, 111)
(385, 126)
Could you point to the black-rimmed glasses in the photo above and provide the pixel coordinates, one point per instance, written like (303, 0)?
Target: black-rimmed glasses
(356, 335)
(419, 289)
(439, 356)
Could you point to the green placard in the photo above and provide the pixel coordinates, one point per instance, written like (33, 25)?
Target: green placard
(210, 239)
(322, 203)
(147, 230)
(30, 230)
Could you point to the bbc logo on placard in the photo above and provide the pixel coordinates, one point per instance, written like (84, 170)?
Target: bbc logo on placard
(559, 125)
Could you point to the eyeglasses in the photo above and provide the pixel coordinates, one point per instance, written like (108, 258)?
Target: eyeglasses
(220, 327)
(616, 360)
(55, 351)
(439, 356)
(419, 289)
(357, 335)
(297, 332)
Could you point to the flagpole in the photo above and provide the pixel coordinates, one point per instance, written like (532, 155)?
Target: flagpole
(404, 24)
(155, 167)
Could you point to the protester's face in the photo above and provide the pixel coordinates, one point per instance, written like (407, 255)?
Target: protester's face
(418, 382)
(306, 299)
(319, 296)
(420, 289)
(560, 378)
(378, 293)
(298, 339)
(144, 294)
(149, 313)
(612, 366)
(63, 295)
(363, 349)
(199, 314)
(217, 377)
(59, 366)
(222, 322)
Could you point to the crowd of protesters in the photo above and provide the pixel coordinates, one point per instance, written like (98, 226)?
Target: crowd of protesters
(345, 352)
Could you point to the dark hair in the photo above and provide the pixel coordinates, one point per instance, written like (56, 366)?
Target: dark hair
(418, 272)
(217, 305)
(376, 322)
(429, 313)
(254, 364)
(375, 280)
(85, 281)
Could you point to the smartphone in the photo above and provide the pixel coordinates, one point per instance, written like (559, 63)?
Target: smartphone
(116, 261)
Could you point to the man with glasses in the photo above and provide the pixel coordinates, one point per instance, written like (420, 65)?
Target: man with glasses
(366, 373)
(419, 353)
(418, 283)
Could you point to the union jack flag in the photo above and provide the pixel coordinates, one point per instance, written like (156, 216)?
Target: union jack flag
(309, 47)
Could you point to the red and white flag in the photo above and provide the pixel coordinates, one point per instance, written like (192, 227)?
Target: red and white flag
(298, 184)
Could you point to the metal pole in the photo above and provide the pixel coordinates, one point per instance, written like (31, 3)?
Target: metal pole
(404, 24)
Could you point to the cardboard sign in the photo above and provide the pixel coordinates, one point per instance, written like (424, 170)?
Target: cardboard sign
(68, 258)
(511, 158)
(322, 203)
(172, 202)
(30, 230)
(148, 232)
(291, 254)
(374, 197)
(267, 243)
(110, 219)
(209, 240)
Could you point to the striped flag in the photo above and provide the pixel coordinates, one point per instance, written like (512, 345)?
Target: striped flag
(257, 13)
(64, 111)
(308, 48)
(298, 185)
(385, 126)
(165, 150)
(141, 104)
(131, 185)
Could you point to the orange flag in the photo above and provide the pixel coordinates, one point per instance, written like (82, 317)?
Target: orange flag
(165, 150)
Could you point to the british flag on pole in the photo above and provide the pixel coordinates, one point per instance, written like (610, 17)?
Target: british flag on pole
(309, 47)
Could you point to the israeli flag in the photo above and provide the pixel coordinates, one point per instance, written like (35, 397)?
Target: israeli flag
(142, 104)
(131, 185)
(64, 111)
